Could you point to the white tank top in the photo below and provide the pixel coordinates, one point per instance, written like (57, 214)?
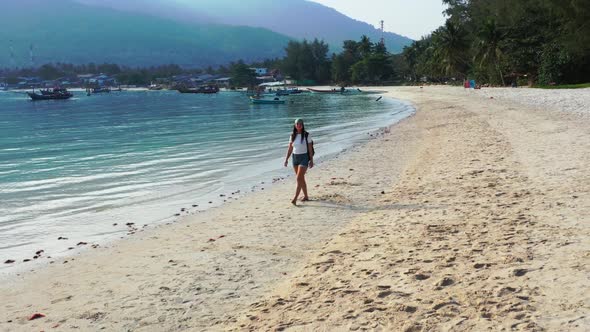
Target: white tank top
(300, 147)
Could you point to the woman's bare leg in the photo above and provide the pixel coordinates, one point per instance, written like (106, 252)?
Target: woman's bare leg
(300, 183)
(294, 201)
(304, 185)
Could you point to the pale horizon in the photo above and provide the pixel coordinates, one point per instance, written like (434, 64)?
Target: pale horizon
(410, 19)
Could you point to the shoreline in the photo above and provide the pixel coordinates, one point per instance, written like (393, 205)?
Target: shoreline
(110, 233)
(396, 228)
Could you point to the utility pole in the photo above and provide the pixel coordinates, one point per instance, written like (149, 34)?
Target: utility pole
(32, 56)
(12, 60)
(382, 34)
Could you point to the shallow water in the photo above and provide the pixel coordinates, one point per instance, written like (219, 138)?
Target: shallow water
(74, 168)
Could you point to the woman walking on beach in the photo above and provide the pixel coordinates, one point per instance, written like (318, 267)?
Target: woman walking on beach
(301, 145)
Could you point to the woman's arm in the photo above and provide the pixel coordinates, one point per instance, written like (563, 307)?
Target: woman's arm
(309, 154)
(289, 150)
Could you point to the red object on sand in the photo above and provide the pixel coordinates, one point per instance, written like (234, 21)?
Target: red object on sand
(36, 315)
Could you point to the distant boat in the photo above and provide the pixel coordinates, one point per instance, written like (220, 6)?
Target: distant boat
(155, 87)
(207, 89)
(287, 92)
(254, 100)
(338, 91)
(324, 91)
(101, 90)
(51, 94)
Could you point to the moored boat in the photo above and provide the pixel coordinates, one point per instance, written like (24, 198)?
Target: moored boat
(207, 89)
(342, 90)
(285, 92)
(101, 90)
(254, 100)
(51, 94)
(324, 90)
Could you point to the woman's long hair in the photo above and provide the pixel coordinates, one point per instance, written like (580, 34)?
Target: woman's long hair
(294, 134)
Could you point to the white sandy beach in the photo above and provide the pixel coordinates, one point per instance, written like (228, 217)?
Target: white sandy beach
(470, 215)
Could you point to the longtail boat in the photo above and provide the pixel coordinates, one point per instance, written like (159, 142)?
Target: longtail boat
(51, 94)
(254, 100)
(202, 89)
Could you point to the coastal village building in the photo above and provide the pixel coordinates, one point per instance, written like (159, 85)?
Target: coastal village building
(223, 82)
(260, 71)
(192, 80)
(29, 82)
(97, 80)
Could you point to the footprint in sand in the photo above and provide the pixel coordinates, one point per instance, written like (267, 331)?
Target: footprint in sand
(421, 276)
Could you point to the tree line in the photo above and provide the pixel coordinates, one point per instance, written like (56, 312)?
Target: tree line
(359, 62)
(500, 41)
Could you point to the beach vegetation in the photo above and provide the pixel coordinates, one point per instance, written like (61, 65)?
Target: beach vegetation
(499, 42)
(242, 74)
(307, 61)
(365, 62)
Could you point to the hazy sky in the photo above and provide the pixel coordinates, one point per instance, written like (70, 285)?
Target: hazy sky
(410, 18)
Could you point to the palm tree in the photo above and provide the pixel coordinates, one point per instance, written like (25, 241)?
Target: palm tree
(365, 46)
(451, 46)
(488, 48)
(410, 54)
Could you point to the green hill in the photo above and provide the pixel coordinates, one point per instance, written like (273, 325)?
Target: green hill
(70, 32)
(295, 18)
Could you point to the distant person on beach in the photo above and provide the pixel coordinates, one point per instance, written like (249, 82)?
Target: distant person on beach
(301, 146)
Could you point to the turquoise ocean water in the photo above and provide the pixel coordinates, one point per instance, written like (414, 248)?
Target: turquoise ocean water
(74, 168)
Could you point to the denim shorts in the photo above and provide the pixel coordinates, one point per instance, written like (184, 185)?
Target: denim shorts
(301, 160)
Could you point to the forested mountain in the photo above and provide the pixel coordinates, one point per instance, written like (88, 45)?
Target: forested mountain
(151, 32)
(299, 19)
(71, 32)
